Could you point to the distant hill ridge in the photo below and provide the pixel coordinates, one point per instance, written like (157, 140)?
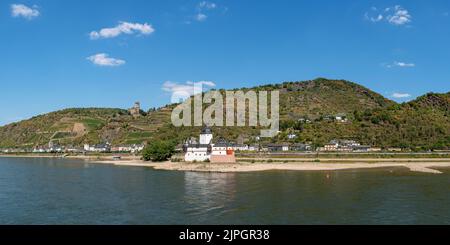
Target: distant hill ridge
(372, 119)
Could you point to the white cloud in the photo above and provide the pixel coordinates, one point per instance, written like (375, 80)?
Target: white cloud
(396, 15)
(403, 64)
(207, 5)
(122, 28)
(400, 16)
(399, 64)
(20, 10)
(103, 59)
(201, 17)
(181, 92)
(377, 19)
(400, 95)
(203, 10)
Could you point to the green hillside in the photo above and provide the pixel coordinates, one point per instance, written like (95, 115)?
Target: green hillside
(372, 119)
(420, 124)
(83, 125)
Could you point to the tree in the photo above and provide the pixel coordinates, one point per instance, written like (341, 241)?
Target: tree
(158, 151)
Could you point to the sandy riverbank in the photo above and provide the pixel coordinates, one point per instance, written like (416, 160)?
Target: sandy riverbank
(426, 167)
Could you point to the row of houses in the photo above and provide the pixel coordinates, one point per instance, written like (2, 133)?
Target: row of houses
(346, 146)
(223, 151)
(15, 150)
(332, 146)
(107, 147)
(286, 147)
(340, 117)
(98, 148)
(205, 137)
(268, 147)
(205, 149)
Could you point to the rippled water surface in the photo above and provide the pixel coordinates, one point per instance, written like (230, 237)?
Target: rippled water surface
(56, 191)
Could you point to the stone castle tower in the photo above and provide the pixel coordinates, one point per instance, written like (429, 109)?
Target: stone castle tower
(206, 136)
(135, 111)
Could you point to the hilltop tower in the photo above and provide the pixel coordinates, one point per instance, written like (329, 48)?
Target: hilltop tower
(135, 111)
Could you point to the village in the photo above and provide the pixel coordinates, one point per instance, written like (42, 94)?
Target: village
(208, 149)
(223, 151)
(200, 150)
(87, 148)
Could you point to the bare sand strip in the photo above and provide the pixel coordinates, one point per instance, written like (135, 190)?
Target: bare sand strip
(425, 167)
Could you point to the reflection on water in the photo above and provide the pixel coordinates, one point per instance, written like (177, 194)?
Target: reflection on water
(61, 191)
(208, 192)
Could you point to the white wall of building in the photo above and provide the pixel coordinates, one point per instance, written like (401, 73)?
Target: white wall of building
(197, 154)
(219, 151)
(205, 139)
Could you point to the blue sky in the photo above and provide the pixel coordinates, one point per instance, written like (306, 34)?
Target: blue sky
(110, 53)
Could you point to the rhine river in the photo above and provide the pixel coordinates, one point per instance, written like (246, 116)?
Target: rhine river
(59, 191)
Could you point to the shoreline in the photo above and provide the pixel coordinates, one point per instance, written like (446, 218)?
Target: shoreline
(423, 165)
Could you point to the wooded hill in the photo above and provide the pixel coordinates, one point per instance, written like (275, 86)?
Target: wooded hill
(306, 109)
